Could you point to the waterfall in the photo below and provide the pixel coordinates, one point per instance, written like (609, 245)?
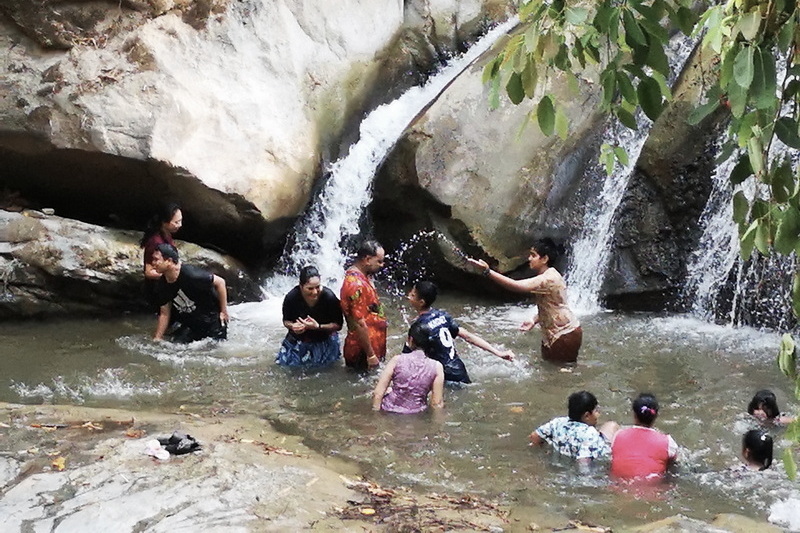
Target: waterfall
(591, 251)
(720, 286)
(335, 214)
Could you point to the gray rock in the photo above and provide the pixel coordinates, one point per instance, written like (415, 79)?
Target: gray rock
(57, 266)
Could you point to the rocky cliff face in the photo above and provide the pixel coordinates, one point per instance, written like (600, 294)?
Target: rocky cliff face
(55, 266)
(230, 108)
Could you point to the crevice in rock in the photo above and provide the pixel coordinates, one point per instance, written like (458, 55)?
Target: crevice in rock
(120, 192)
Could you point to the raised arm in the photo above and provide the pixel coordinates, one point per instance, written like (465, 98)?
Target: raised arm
(525, 286)
(478, 341)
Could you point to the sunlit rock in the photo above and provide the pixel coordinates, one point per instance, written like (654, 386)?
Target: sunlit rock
(240, 101)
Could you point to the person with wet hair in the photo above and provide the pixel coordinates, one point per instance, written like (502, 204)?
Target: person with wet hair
(764, 406)
(577, 435)
(409, 378)
(562, 335)
(160, 229)
(443, 332)
(312, 314)
(641, 451)
(365, 343)
(193, 301)
(757, 449)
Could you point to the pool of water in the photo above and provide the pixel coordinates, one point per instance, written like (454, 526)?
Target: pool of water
(703, 376)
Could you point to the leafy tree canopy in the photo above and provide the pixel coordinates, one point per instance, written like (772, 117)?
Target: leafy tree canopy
(620, 44)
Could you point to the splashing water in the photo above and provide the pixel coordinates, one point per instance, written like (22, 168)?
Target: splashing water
(591, 251)
(335, 214)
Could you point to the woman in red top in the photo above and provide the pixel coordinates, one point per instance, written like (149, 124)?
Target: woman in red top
(160, 230)
(641, 451)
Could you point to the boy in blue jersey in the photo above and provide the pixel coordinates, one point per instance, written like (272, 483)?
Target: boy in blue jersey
(443, 332)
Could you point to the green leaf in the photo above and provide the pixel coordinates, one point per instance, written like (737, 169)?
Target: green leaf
(649, 93)
(607, 158)
(562, 123)
(626, 87)
(792, 89)
(749, 23)
(743, 67)
(747, 240)
(787, 237)
(627, 119)
(529, 78)
(494, 93)
(786, 130)
(516, 93)
(737, 98)
(756, 152)
(531, 38)
(728, 147)
(602, 17)
(787, 356)
(656, 58)
(562, 58)
(701, 112)
(576, 15)
(686, 19)
(621, 155)
(741, 171)
(760, 208)
(546, 115)
(726, 68)
(788, 464)
(796, 309)
(786, 34)
(608, 80)
(491, 68)
(633, 32)
(762, 237)
(740, 208)
(765, 81)
(783, 184)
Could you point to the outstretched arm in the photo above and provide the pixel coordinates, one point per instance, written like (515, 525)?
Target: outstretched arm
(526, 285)
(383, 384)
(478, 341)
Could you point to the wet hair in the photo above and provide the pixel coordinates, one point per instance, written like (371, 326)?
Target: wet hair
(420, 334)
(168, 251)
(427, 291)
(308, 272)
(580, 403)
(368, 248)
(759, 444)
(547, 247)
(645, 408)
(766, 401)
(163, 215)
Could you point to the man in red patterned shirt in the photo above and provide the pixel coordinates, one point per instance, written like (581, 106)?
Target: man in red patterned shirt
(365, 344)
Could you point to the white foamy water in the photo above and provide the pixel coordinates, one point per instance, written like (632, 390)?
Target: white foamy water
(336, 213)
(111, 383)
(591, 252)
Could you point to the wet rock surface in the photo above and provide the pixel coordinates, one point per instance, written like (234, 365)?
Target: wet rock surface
(55, 266)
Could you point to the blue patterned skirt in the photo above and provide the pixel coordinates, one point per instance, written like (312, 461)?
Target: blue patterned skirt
(297, 353)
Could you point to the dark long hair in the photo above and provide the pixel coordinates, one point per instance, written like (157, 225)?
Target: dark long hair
(759, 443)
(547, 247)
(164, 214)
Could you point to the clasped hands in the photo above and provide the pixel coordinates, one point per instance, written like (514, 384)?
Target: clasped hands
(301, 325)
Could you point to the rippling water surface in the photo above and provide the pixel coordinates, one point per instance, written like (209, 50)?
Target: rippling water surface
(703, 375)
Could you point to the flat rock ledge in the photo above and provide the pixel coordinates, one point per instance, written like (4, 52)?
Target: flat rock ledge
(74, 468)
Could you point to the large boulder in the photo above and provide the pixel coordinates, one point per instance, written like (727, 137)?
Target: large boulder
(55, 266)
(469, 172)
(230, 108)
(657, 221)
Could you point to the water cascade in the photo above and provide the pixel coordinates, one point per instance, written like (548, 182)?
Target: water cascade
(591, 251)
(720, 286)
(335, 214)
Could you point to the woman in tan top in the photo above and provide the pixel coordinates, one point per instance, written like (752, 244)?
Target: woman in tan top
(561, 330)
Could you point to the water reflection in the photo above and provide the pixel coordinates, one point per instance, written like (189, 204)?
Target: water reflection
(704, 375)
